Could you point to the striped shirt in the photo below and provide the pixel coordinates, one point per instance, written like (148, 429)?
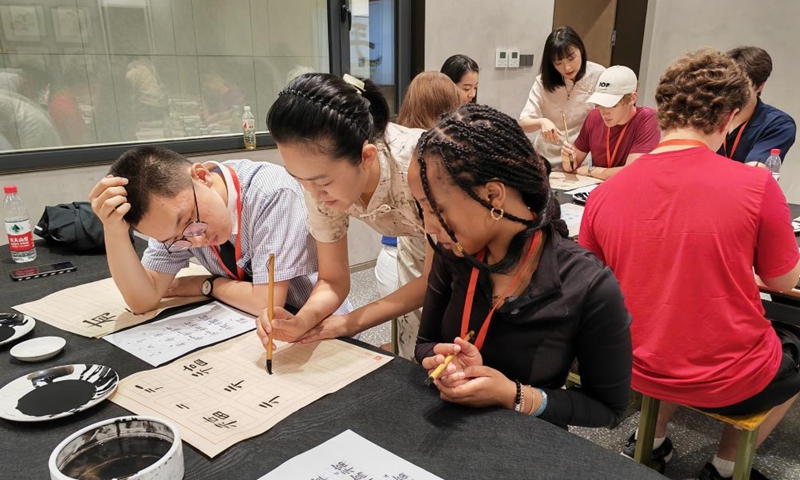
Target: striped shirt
(273, 221)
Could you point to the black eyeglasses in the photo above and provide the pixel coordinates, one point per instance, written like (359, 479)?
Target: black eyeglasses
(194, 229)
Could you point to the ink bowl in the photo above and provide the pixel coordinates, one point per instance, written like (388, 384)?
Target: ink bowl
(124, 448)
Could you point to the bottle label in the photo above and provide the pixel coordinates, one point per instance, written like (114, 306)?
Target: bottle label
(20, 236)
(247, 124)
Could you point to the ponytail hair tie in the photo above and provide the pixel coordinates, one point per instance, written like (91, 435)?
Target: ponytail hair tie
(354, 82)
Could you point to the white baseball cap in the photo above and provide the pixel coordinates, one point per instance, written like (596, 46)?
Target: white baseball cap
(614, 83)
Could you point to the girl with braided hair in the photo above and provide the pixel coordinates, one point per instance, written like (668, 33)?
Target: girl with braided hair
(504, 269)
(335, 139)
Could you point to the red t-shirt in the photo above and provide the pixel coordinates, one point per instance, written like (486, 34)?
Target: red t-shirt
(683, 232)
(642, 136)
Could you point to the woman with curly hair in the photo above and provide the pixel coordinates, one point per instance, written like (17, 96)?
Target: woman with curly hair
(504, 269)
(683, 244)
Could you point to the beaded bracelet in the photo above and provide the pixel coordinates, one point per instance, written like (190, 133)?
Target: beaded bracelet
(518, 399)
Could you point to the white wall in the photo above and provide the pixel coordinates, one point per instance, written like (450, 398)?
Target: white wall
(477, 28)
(40, 189)
(677, 26)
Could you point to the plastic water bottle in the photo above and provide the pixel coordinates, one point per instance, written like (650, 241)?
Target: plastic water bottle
(773, 162)
(18, 227)
(249, 128)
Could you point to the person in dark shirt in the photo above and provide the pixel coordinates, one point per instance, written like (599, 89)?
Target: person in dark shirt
(504, 269)
(757, 128)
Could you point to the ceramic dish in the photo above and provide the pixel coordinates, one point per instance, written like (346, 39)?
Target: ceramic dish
(11, 331)
(134, 448)
(38, 349)
(56, 392)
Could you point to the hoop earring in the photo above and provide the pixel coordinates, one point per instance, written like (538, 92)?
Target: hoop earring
(497, 216)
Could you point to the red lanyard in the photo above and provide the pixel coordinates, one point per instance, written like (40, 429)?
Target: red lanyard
(688, 142)
(240, 273)
(610, 156)
(735, 142)
(473, 283)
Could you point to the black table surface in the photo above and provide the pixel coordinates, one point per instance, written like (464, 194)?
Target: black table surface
(389, 407)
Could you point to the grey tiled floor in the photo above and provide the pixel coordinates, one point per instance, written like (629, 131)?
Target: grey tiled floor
(363, 290)
(694, 435)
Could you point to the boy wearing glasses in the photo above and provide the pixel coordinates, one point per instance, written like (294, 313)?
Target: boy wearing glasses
(229, 215)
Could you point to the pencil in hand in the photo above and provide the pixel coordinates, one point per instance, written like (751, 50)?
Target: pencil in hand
(270, 309)
(438, 371)
(566, 138)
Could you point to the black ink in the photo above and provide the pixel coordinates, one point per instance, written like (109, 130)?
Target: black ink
(6, 332)
(234, 386)
(55, 398)
(116, 458)
(100, 319)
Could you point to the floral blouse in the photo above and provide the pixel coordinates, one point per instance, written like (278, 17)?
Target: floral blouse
(391, 210)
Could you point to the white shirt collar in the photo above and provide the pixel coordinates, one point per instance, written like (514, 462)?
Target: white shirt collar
(233, 195)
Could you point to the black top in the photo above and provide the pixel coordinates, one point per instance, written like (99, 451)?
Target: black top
(573, 308)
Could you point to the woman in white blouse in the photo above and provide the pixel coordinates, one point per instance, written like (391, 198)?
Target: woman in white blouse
(565, 82)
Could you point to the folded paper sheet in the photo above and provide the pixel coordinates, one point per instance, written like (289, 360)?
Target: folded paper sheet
(347, 456)
(222, 394)
(569, 181)
(96, 309)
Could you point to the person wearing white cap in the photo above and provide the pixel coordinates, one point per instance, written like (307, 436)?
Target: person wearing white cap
(617, 132)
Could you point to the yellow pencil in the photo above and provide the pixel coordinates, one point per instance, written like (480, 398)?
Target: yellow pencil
(438, 371)
(270, 309)
(566, 137)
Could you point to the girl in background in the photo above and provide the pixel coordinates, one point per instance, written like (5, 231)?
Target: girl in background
(430, 95)
(565, 82)
(463, 71)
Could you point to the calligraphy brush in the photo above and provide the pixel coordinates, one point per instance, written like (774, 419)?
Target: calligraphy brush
(270, 309)
(566, 137)
(438, 371)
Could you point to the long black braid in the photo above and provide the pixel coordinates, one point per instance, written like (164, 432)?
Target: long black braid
(478, 144)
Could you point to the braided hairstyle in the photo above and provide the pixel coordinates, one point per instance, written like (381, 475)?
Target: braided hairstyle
(324, 111)
(476, 145)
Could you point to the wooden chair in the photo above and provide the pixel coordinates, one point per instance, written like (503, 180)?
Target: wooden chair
(747, 425)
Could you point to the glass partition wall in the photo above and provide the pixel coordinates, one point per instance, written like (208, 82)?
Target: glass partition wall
(81, 80)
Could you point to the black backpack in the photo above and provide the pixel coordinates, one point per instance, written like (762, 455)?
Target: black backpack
(74, 225)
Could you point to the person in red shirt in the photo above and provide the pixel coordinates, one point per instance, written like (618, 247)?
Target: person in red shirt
(684, 253)
(617, 132)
